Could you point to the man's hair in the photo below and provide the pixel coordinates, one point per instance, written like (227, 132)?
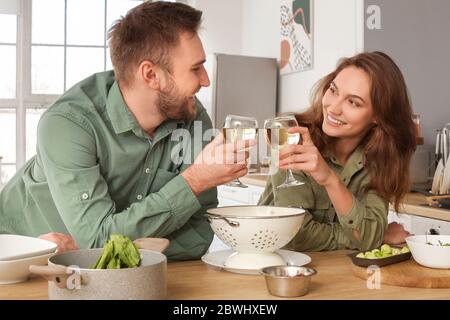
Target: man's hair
(148, 32)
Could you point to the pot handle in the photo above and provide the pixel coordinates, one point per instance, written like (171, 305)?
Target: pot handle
(153, 244)
(57, 273)
(231, 223)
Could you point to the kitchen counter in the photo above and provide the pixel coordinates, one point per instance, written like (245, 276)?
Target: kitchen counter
(195, 280)
(414, 203)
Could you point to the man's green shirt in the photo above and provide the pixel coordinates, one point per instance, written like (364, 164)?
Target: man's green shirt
(96, 172)
(323, 228)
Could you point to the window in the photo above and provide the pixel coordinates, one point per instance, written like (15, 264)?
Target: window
(44, 50)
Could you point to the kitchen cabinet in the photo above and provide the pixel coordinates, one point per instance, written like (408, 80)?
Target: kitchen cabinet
(239, 196)
(419, 225)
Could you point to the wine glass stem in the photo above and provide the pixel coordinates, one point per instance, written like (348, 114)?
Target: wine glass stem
(289, 176)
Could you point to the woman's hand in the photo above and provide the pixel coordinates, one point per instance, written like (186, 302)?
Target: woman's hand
(64, 241)
(395, 234)
(305, 157)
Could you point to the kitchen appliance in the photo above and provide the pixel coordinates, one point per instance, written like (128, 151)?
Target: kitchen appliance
(255, 233)
(244, 86)
(241, 85)
(441, 179)
(421, 167)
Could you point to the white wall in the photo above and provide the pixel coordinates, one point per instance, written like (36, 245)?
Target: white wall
(337, 33)
(251, 27)
(260, 28)
(221, 30)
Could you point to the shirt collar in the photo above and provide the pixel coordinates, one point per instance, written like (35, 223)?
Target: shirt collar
(123, 120)
(354, 164)
(121, 117)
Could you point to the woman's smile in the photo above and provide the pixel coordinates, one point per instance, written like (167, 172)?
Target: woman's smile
(334, 122)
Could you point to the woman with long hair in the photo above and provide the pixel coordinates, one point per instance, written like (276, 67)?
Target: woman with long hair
(357, 141)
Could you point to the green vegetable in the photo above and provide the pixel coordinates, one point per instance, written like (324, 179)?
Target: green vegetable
(118, 252)
(384, 251)
(404, 250)
(442, 244)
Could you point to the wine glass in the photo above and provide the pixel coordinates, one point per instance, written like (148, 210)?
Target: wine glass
(277, 136)
(239, 128)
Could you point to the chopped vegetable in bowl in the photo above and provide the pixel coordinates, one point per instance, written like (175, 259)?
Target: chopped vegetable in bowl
(440, 243)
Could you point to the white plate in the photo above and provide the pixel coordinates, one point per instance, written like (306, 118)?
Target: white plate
(14, 271)
(13, 247)
(217, 259)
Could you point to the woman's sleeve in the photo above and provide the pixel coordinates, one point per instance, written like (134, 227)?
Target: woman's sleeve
(368, 215)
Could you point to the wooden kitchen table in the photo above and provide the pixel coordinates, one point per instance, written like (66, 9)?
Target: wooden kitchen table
(195, 280)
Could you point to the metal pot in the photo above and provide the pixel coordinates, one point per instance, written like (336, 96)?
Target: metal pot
(70, 277)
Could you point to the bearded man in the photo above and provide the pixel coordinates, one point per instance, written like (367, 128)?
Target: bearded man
(104, 161)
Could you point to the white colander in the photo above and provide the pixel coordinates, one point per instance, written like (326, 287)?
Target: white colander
(255, 233)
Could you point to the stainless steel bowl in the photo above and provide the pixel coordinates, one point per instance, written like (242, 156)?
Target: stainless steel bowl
(288, 281)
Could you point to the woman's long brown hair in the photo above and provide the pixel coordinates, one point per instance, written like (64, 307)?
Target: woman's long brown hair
(390, 144)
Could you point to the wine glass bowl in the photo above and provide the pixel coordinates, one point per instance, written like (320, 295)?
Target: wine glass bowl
(277, 136)
(239, 128)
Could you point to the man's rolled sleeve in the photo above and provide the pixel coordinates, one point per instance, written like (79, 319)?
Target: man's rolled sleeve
(181, 199)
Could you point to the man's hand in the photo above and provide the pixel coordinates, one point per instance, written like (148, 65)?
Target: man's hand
(218, 163)
(64, 241)
(395, 234)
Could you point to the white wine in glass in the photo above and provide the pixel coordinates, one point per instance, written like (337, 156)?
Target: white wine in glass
(238, 128)
(277, 136)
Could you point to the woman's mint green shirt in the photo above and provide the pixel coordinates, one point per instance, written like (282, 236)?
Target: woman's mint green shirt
(96, 172)
(322, 228)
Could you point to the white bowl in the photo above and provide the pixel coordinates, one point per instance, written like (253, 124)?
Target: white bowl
(255, 232)
(14, 271)
(13, 247)
(432, 256)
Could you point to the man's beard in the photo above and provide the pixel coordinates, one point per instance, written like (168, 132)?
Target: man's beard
(172, 105)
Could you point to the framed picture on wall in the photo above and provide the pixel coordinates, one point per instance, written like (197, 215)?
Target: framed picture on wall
(296, 35)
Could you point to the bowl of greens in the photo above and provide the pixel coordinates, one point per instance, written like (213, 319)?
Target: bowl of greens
(431, 251)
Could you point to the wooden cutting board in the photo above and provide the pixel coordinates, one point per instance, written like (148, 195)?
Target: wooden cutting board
(408, 274)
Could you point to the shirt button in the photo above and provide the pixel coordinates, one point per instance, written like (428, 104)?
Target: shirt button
(147, 170)
(139, 197)
(84, 196)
